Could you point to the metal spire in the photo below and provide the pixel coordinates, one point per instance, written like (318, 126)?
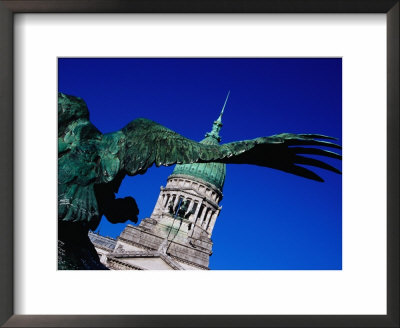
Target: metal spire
(223, 108)
(218, 123)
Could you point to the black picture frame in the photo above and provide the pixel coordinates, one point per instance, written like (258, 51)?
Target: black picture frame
(10, 7)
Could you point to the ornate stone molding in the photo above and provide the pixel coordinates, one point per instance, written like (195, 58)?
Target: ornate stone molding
(198, 180)
(120, 265)
(202, 267)
(135, 254)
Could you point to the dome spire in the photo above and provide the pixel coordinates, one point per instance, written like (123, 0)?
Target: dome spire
(217, 125)
(223, 107)
(213, 173)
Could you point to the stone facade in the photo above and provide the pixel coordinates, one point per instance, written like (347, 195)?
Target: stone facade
(177, 235)
(167, 240)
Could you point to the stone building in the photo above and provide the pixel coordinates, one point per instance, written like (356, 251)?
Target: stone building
(177, 235)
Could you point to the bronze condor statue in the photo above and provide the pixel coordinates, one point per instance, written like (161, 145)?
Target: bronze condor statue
(92, 165)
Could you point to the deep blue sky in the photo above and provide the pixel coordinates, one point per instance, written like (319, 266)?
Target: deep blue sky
(270, 219)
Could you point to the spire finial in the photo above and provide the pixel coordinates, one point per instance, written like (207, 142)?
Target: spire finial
(218, 123)
(223, 107)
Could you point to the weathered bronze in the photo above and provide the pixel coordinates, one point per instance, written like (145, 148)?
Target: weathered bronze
(92, 165)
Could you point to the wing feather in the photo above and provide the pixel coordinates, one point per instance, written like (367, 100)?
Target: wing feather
(148, 143)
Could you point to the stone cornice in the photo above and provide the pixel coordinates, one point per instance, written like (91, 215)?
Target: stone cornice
(153, 254)
(196, 179)
(133, 254)
(202, 267)
(171, 262)
(124, 264)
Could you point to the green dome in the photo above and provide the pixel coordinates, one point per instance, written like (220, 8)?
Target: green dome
(213, 173)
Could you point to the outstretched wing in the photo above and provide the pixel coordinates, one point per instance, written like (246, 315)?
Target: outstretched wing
(147, 143)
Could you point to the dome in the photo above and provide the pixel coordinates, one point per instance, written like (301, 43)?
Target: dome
(213, 173)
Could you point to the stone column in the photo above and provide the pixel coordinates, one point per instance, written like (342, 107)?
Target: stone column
(190, 207)
(196, 214)
(212, 222)
(178, 195)
(209, 213)
(165, 203)
(203, 215)
(209, 218)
